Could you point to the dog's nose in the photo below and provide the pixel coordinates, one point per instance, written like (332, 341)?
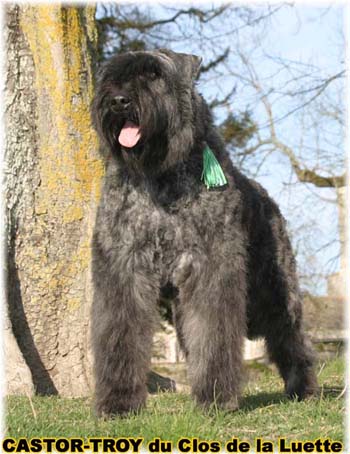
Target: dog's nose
(120, 102)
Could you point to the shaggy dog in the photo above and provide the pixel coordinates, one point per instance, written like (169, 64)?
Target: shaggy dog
(222, 255)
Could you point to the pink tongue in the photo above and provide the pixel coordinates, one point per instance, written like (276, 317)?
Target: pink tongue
(129, 135)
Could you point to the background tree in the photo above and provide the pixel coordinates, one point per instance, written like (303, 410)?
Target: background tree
(53, 175)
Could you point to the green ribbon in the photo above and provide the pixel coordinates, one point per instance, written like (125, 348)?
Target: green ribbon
(212, 175)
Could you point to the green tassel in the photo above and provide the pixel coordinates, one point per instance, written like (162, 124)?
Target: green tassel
(212, 174)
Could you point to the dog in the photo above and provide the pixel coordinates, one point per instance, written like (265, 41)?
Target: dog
(219, 250)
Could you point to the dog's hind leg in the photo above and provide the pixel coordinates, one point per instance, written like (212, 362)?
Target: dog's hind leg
(290, 350)
(275, 311)
(123, 320)
(287, 343)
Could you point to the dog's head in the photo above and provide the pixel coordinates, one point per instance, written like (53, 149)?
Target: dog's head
(143, 108)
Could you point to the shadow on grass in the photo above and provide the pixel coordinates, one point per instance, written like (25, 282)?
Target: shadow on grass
(262, 400)
(266, 399)
(333, 391)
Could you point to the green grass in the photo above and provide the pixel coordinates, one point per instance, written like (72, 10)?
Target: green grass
(264, 412)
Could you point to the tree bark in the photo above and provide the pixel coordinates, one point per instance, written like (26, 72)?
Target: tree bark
(53, 174)
(342, 212)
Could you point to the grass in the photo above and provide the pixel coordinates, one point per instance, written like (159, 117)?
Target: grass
(264, 412)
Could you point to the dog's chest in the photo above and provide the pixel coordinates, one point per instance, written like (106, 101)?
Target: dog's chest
(158, 235)
(149, 226)
(170, 229)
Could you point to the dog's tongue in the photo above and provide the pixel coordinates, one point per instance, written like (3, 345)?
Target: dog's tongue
(129, 135)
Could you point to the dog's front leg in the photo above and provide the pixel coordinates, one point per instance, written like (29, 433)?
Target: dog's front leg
(214, 324)
(123, 319)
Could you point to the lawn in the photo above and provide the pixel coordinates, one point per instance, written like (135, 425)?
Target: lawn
(264, 412)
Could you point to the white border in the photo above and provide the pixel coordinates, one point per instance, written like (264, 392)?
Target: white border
(2, 230)
(347, 284)
(347, 150)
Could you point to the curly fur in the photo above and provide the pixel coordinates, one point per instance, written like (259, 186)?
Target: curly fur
(224, 257)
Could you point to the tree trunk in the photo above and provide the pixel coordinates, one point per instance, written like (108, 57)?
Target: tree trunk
(53, 175)
(341, 199)
(337, 281)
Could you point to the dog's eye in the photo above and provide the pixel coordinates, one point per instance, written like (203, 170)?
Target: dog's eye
(153, 75)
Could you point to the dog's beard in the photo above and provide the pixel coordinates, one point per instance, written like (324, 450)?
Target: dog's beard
(127, 128)
(138, 137)
(161, 142)
(120, 130)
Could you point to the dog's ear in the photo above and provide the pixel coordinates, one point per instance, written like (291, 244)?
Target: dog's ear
(196, 66)
(191, 65)
(187, 63)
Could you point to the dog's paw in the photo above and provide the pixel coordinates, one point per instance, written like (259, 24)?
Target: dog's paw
(119, 407)
(302, 385)
(230, 405)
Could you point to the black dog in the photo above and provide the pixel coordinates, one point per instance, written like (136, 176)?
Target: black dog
(222, 254)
